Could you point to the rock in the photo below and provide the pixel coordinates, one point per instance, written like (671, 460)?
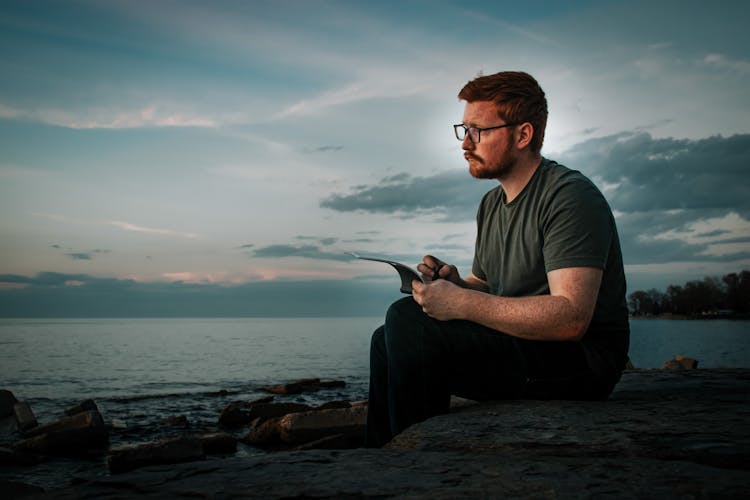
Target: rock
(8, 425)
(171, 451)
(233, 415)
(681, 363)
(332, 405)
(9, 456)
(275, 419)
(7, 401)
(68, 436)
(334, 442)
(266, 411)
(15, 489)
(81, 407)
(304, 385)
(670, 435)
(24, 416)
(236, 414)
(314, 425)
(218, 443)
(263, 433)
(179, 421)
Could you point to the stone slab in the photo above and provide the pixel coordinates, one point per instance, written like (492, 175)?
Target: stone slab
(663, 434)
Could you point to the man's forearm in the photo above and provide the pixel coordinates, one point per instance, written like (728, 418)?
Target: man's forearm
(474, 283)
(541, 317)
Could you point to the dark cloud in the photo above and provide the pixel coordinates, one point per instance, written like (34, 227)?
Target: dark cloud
(88, 255)
(323, 149)
(654, 185)
(79, 255)
(56, 295)
(661, 185)
(451, 195)
(325, 241)
(668, 174)
(305, 251)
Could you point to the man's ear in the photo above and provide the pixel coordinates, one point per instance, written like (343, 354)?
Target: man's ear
(525, 134)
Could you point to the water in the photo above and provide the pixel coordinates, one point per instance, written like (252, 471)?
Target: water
(56, 362)
(141, 371)
(717, 343)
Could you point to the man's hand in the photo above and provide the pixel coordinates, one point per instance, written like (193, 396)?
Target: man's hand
(433, 269)
(440, 299)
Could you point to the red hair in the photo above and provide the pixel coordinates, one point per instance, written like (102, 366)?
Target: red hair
(518, 98)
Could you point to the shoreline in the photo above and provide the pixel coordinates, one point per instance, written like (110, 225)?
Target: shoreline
(705, 317)
(665, 434)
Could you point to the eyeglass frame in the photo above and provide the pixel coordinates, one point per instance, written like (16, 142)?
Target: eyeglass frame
(467, 131)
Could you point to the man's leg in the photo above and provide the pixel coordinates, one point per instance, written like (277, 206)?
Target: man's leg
(378, 421)
(416, 363)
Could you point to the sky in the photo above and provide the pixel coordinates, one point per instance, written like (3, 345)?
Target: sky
(221, 158)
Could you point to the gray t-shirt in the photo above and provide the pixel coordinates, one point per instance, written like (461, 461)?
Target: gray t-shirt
(559, 220)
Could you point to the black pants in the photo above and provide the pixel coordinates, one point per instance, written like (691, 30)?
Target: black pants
(416, 363)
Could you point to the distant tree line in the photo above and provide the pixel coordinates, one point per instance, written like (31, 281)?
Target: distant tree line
(712, 296)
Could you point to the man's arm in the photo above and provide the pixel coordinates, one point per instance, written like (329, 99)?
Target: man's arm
(564, 314)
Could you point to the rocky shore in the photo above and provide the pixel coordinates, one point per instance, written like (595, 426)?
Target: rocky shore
(663, 434)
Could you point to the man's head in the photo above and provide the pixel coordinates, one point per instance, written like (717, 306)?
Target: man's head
(518, 98)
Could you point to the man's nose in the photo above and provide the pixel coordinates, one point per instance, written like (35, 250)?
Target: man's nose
(467, 143)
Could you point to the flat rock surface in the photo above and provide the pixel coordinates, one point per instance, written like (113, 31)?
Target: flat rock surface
(661, 435)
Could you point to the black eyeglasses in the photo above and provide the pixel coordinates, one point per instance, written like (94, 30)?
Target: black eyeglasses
(474, 132)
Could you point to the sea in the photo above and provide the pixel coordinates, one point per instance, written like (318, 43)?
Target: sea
(158, 378)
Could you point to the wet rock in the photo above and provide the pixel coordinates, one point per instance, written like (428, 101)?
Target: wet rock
(236, 414)
(178, 421)
(10, 456)
(334, 442)
(7, 401)
(86, 405)
(15, 489)
(171, 451)
(681, 363)
(309, 426)
(671, 435)
(218, 443)
(272, 410)
(332, 405)
(25, 418)
(68, 436)
(263, 433)
(275, 423)
(304, 385)
(8, 425)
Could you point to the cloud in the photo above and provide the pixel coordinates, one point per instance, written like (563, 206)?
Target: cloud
(324, 149)
(150, 230)
(641, 174)
(148, 116)
(676, 200)
(665, 194)
(325, 241)
(723, 62)
(79, 255)
(450, 195)
(304, 251)
(87, 255)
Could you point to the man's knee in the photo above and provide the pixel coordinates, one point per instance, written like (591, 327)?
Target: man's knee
(405, 327)
(404, 310)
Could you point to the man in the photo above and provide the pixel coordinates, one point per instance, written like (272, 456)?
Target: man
(543, 313)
